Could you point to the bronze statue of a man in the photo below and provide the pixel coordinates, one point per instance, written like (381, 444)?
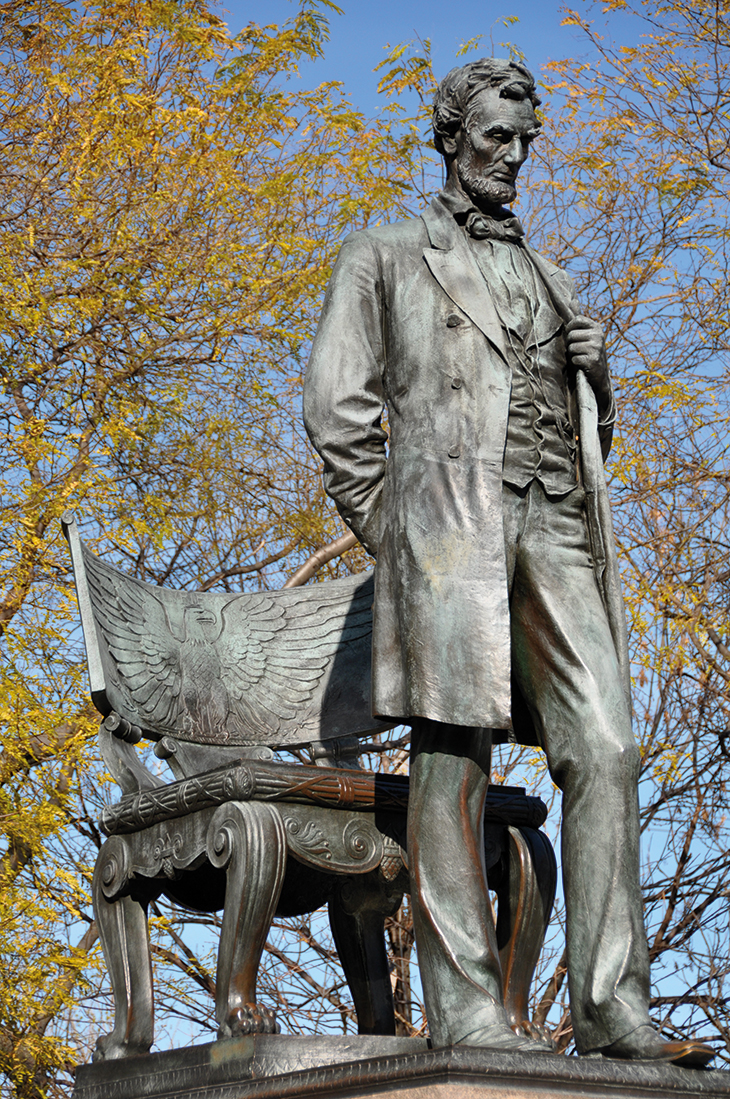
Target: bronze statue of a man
(497, 609)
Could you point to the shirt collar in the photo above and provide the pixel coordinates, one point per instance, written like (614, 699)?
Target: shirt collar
(460, 206)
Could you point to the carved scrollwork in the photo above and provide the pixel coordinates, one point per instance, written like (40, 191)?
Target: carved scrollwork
(168, 853)
(165, 850)
(223, 833)
(114, 867)
(307, 837)
(332, 839)
(360, 840)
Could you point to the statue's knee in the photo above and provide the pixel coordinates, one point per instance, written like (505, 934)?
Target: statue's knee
(614, 760)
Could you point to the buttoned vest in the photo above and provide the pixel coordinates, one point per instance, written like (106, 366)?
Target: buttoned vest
(540, 442)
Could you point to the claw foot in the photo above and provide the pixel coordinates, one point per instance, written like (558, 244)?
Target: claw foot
(537, 1032)
(250, 1019)
(109, 1048)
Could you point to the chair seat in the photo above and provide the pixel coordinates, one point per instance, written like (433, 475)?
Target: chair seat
(328, 787)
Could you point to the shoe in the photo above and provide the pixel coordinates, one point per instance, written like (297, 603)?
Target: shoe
(501, 1039)
(646, 1044)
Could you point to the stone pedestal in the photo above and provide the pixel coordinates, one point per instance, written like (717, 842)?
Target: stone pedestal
(285, 1067)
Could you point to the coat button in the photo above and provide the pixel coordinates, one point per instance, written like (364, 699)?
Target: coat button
(456, 383)
(454, 452)
(453, 320)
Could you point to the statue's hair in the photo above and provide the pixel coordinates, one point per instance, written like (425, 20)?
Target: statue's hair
(459, 87)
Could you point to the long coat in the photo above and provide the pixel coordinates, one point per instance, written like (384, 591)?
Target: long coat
(408, 323)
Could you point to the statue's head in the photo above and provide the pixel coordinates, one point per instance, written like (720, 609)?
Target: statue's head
(483, 122)
(202, 624)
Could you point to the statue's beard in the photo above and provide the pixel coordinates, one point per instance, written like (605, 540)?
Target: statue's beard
(483, 189)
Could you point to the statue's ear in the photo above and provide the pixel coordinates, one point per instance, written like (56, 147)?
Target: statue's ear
(448, 145)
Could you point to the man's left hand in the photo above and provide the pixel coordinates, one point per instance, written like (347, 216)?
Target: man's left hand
(586, 345)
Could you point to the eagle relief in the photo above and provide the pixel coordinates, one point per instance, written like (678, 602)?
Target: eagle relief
(277, 668)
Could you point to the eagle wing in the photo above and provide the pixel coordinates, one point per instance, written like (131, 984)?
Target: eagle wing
(278, 653)
(140, 653)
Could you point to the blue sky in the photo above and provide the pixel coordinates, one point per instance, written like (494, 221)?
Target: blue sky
(360, 35)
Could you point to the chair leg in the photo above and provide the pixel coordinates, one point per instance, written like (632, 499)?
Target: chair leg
(122, 923)
(248, 839)
(525, 898)
(357, 912)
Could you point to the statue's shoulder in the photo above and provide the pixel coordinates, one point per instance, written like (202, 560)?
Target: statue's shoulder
(394, 235)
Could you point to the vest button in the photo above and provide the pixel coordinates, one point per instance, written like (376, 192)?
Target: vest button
(456, 383)
(453, 320)
(454, 452)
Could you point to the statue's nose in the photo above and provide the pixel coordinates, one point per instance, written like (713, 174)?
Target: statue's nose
(516, 152)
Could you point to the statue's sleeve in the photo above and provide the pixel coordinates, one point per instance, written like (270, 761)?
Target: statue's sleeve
(343, 389)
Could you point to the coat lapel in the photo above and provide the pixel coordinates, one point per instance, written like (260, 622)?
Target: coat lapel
(455, 269)
(559, 285)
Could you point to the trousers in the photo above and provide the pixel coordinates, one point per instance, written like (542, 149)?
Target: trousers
(564, 664)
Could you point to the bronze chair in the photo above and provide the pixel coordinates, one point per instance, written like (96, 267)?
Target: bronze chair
(219, 682)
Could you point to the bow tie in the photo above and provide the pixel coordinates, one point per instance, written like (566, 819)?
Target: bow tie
(482, 227)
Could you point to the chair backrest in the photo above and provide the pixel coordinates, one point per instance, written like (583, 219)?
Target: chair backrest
(213, 676)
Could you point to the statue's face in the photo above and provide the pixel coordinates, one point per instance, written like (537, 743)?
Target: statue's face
(201, 624)
(493, 145)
